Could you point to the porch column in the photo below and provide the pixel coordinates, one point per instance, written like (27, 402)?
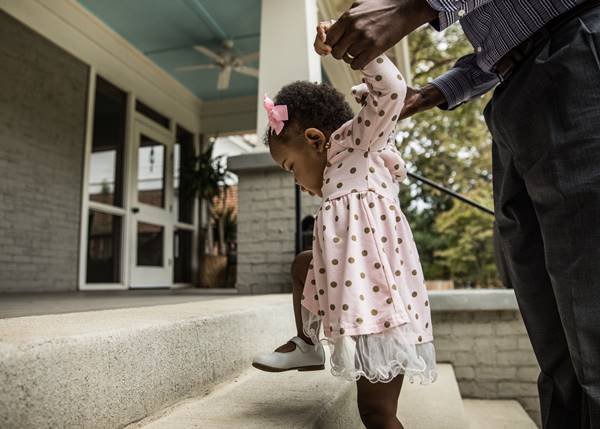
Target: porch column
(287, 32)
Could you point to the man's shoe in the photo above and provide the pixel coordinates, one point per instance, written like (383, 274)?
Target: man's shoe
(305, 357)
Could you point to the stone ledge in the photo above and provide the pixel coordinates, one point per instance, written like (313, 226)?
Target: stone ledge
(251, 161)
(473, 300)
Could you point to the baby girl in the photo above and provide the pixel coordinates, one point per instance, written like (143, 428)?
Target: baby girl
(361, 289)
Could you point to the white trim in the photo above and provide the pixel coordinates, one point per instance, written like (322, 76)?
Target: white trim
(72, 27)
(87, 204)
(154, 276)
(127, 172)
(186, 226)
(105, 208)
(83, 238)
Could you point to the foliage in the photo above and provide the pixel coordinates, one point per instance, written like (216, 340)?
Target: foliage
(452, 148)
(468, 255)
(204, 176)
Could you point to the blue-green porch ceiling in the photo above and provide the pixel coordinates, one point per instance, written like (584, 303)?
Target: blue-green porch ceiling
(167, 30)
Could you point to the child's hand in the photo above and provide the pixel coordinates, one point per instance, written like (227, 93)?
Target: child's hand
(321, 47)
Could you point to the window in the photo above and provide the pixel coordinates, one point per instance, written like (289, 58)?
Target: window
(151, 172)
(104, 248)
(105, 183)
(152, 114)
(182, 252)
(150, 239)
(183, 156)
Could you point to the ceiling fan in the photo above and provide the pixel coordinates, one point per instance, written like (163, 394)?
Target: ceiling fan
(227, 61)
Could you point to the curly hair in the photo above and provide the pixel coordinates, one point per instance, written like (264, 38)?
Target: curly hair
(317, 105)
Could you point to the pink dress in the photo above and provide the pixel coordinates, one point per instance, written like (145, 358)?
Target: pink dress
(365, 285)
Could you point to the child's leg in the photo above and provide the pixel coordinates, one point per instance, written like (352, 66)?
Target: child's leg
(378, 403)
(299, 272)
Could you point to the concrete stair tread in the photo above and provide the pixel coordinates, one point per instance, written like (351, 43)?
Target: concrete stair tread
(42, 328)
(438, 405)
(114, 367)
(258, 400)
(292, 399)
(497, 414)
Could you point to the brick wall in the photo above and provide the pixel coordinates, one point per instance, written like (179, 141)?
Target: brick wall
(491, 355)
(43, 94)
(266, 228)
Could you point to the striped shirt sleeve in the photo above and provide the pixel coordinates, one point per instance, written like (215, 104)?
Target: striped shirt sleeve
(463, 82)
(450, 11)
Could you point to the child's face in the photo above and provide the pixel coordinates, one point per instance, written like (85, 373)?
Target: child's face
(305, 156)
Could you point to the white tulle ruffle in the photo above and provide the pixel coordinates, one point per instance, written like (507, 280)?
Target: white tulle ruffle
(377, 357)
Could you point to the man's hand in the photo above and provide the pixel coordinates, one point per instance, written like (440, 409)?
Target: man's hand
(418, 100)
(370, 27)
(321, 47)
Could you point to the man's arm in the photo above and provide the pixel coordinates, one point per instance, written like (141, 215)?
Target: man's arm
(459, 84)
(463, 82)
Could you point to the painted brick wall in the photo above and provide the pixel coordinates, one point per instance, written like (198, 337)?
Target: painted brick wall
(266, 228)
(491, 354)
(43, 93)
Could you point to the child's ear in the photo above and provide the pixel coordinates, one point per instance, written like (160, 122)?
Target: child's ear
(315, 137)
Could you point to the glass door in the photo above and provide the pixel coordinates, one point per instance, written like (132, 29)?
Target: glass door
(151, 206)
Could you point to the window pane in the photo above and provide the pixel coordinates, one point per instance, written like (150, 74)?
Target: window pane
(150, 240)
(106, 160)
(183, 256)
(104, 248)
(151, 172)
(184, 153)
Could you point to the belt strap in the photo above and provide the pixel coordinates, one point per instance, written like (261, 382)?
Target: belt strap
(506, 64)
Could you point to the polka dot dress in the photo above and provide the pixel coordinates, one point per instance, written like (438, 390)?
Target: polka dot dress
(365, 285)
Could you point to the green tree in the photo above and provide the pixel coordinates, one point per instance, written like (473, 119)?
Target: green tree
(452, 148)
(468, 255)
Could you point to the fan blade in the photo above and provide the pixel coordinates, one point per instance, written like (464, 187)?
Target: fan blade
(210, 54)
(224, 78)
(248, 71)
(248, 58)
(196, 67)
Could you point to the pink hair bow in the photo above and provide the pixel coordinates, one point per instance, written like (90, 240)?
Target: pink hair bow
(277, 114)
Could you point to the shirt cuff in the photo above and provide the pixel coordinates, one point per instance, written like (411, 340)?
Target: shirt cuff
(454, 85)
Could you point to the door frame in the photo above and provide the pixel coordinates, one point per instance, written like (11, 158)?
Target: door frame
(125, 211)
(148, 276)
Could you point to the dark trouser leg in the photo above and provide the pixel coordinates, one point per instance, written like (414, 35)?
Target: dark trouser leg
(545, 122)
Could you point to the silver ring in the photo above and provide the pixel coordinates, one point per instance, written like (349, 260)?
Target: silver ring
(349, 55)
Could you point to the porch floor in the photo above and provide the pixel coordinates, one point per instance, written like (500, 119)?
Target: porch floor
(19, 304)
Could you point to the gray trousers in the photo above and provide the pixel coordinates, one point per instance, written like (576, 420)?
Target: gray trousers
(545, 124)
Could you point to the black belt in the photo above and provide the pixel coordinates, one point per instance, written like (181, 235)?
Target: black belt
(507, 63)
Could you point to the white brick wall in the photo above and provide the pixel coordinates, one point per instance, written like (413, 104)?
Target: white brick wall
(491, 355)
(42, 118)
(266, 229)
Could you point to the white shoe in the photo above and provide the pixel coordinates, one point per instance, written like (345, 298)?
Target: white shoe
(305, 357)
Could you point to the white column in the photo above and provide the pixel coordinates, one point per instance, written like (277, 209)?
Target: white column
(403, 59)
(287, 33)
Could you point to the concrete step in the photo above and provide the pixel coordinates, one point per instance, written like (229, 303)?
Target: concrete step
(497, 414)
(106, 369)
(432, 407)
(301, 400)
